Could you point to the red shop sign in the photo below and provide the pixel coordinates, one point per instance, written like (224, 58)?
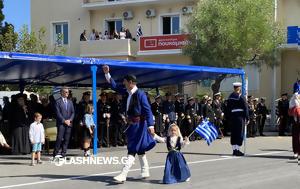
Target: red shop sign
(163, 42)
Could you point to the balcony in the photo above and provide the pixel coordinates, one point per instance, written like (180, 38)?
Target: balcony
(102, 4)
(108, 48)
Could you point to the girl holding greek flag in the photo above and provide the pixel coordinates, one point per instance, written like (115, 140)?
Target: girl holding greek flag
(176, 168)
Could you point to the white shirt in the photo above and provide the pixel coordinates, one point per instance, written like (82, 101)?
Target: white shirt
(65, 100)
(36, 132)
(122, 35)
(173, 140)
(131, 92)
(93, 36)
(108, 77)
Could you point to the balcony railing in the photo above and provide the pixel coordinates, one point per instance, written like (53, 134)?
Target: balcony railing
(108, 48)
(96, 4)
(114, 1)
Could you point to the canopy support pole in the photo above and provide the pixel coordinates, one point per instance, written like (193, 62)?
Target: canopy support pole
(94, 95)
(22, 85)
(244, 94)
(157, 91)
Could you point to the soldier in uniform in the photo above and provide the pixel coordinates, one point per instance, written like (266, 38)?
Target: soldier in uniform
(140, 129)
(202, 105)
(169, 108)
(283, 107)
(118, 121)
(262, 112)
(104, 114)
(179, 105)
(238, 116)
(191, 111)
(217, 107)
(179, 108)
(251, 127)
(156, 108)
(190, 108)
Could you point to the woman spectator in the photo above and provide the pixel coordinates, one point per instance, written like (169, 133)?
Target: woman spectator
(20, 126)
(93, 35)
(128, 34)
(122, 33)
(116, 35)
(97, 36)
(106, 36)
(101, 36)
(294, 111)
(83, 36)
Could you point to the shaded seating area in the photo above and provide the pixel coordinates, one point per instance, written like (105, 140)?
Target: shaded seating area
(35, 69)
(50, 133)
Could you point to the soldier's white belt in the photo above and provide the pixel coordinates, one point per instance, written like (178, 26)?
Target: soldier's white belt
(237, 110)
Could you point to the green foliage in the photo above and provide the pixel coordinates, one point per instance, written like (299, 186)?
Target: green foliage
(229, 33)
(25, 42)
(8, 39)
(32, 42)
(1, 13)
(28, 42)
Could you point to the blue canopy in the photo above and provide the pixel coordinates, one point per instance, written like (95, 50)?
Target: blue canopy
(75, 71)
(20, 68)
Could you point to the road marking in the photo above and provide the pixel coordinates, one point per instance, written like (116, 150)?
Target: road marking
(132, 170)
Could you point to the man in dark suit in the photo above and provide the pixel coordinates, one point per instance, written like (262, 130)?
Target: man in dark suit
(65, 115)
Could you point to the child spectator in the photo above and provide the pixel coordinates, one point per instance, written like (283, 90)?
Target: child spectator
(37, 138)
(88, 129)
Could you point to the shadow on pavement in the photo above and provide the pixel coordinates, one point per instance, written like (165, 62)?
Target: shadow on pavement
(103, 179)
(194, 153)
(283, 150)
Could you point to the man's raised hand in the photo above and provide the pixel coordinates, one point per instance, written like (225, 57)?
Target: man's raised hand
(105, 69)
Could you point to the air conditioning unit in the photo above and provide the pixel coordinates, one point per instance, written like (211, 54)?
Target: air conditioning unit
(187, 10)
(150, 13)
(128, 15)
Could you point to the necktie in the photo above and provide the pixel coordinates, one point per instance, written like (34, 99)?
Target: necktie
(66, 103)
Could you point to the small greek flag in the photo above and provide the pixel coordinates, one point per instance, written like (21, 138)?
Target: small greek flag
(207, 131)
(139, 31)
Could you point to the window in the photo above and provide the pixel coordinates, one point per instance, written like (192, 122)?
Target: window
(61, 33)
(170, 24)
(113, 25)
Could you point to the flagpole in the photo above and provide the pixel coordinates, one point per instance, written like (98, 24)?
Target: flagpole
(191, 133)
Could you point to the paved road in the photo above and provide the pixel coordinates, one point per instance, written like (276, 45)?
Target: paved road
(267, 165)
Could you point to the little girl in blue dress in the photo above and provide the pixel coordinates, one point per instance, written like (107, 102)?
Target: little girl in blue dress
(176, 168)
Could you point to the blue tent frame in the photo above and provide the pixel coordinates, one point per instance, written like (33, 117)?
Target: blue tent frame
(22, 69)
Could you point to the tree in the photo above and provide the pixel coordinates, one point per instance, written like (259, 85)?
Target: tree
(8, 38)
(32, 42)
(27, 42)
(232, 33)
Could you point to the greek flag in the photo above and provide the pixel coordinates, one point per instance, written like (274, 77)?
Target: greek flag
(207, 131)
(139, 32)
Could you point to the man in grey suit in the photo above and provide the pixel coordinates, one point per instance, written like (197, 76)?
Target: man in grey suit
(64, 118)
